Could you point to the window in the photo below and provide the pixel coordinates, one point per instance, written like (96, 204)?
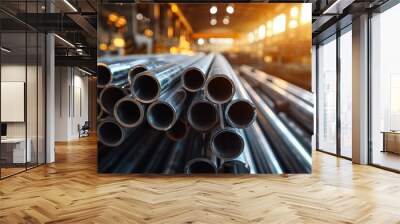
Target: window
(346, 93)
(327, 96)
(385, 89)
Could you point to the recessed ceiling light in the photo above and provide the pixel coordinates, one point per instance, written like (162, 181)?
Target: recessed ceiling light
(213, 9)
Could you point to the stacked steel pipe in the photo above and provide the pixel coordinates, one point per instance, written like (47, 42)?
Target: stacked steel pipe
(174, 114)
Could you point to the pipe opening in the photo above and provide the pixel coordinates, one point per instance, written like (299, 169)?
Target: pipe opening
(178, 131)
(136, 70)
(241, 113)
(146, 88)
(227, 144)
(110, 97)
(103, 75)
(161, 116)
(235, 167)
(110, 133)
(193, 80)
(203, 116)
(129, 113)
(220, 89)
(201, 166)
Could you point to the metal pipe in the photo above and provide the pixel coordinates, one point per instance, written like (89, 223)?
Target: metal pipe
(110, 96)
(129, 112)
(149, 85)
(158, 156)
(175, 161)
(219, 88)
(202, 114)
(178, 131)
(110, 157)
(298, 109)
(240, 112)
(262, 153)
(110, 133)
(303, 136)
(200, 159)
(100, 111)
(116, 74)
(137, 157)
(117, 70)
(149, 65)
(227, 143)
(194, 77)
(289, 150)
(163, 113)
(300, 93)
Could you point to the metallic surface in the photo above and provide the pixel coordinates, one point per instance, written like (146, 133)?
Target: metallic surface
(202, 114)
(149, 85)
(291, 152)
(129, 112)
(163, 113)
(227, 143)
(219, 87)
(110, 96)
(194, 77)
(110, 133)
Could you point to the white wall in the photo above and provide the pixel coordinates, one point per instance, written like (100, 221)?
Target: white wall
(71, 94)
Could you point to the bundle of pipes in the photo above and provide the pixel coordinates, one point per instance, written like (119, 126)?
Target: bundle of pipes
(181, 114)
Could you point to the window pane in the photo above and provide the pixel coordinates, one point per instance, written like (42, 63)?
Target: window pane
(385, 86)
(346, 94)
(327, 97)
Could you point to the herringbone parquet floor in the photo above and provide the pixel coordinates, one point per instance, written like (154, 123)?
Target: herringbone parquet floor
(70, 191)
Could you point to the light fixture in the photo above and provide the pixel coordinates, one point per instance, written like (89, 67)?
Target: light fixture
(294, 12)
(139, 16)
(213, 21)
(64, 40)
(113, 17)
(5, 50)
(103, 47)
(293, 24)
(213, 9)
(306, 13)
(279, 24)
(261, 32)
(119, 42)
(269, 24)
(121, 22)
(148, 32)
(222, 41)
(250, 37)
(226, 20)
(70, 5)
(200, 41)
(230, 9)
(174, 8)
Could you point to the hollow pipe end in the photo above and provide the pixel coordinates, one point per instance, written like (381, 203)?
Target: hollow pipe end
(159, 118)
(104, 75)
(227, 138)
(250, 113)
(110, 133)
(194, 124)
(200, 166)
(224, 97)
(118, 110)
(145, 88)
(193, 79)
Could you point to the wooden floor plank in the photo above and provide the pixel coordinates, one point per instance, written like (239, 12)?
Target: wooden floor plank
(71, 191)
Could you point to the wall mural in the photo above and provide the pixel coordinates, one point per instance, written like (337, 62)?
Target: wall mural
(180, 95)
